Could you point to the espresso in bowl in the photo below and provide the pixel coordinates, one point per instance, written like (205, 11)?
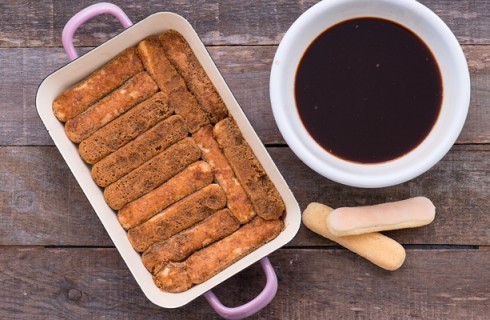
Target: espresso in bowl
(369, 93)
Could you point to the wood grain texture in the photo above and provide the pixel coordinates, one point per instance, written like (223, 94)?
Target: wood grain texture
(40, 23)
(42, 204)
(39, 283)
(246, 70)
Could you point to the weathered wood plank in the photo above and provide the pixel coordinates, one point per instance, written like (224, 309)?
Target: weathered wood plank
(40, 23)
(458, 187)
(41, 203)
(246, 69)
(40, 283)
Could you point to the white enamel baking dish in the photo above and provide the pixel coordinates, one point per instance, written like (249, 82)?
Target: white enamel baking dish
(80, 67)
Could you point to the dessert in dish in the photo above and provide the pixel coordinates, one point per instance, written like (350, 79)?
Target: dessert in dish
(188, 188)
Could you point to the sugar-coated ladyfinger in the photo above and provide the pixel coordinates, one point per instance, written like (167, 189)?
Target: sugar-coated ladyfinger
(181, 245)
(207, 262)
(173, 278)
(265, 198)
(135, 90)
(125, 128)
(138, 151)
(170, 82)
(181, 55)
(179, 216)
(104, 80)
(152, 173)
(410, 213)
(194, 177)
(238, 202)
(375, 247)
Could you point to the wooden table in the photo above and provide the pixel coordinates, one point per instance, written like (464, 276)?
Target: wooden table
(57, 262)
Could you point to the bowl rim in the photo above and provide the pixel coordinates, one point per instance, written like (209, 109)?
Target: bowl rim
(343, 171)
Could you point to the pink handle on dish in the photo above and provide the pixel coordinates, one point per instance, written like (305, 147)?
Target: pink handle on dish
(257, 304)
(86, 14)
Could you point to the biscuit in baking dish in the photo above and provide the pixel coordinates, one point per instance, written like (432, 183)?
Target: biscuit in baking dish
(190, 192)
(102, 81)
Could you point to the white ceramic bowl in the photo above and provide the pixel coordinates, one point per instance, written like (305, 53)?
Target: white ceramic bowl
(455, 77)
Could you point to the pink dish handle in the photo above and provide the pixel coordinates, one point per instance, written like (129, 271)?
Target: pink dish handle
(254, 306)
(86, 14)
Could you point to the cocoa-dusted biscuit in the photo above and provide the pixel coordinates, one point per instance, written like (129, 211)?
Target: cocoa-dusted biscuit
(194, 177)
(152, 174)
(207, 262)
(238, 202)
(180, 246)
(179, 216)
(136, 89)
(138, 151)
(102, 81)
(185, 104)
(158, 66)
(125, 128)
(170, 82)
(183, 58)
(173, 278)
(265, 198)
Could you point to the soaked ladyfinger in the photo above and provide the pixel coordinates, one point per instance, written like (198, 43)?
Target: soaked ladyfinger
(265, 198)
(194, 177)
(180, 246)
(173, 278)
(179, 216)
(125, 128)
(170, 82)
(207, 262)
(104, 80)
(185, 61)
(138, 151)
(135, 90)
(152, 174)
(238, 202)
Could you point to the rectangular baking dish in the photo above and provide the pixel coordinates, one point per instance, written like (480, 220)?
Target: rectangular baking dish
(76, 70)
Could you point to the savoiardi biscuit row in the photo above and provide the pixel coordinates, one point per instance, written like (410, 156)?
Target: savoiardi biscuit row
(172, 162)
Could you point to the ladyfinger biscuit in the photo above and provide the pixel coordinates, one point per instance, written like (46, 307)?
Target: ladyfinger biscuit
(207, 262)
(265, 198)
(186, 105)
(183, 244)
(173, 278)
(170, 82)
(138, 151)
(179, 216)
(152, 174)
(125, 128)
(135, 90)
(375, 247)
(238, 202)
(194, 177)
(104, 80)
(158, 66)
(410, 213)
(183, 58)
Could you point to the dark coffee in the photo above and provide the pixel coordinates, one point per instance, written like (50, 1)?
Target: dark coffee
(368, 90)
